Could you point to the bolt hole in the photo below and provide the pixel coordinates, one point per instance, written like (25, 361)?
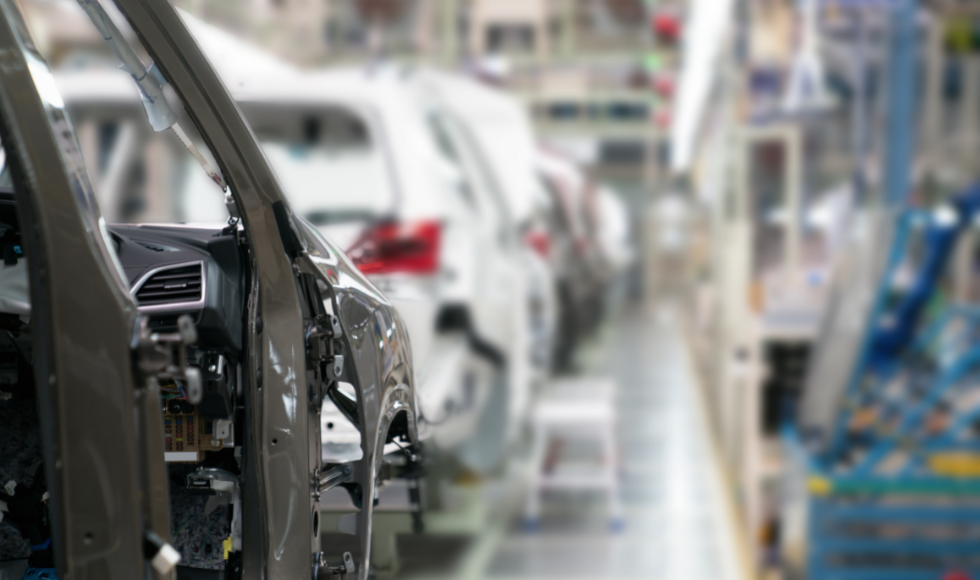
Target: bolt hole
(88, 538)
(330, 425)
(275, 441)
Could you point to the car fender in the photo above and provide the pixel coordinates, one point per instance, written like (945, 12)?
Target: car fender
(380, 364)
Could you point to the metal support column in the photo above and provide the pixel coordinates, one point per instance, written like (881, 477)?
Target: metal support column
(902, 89)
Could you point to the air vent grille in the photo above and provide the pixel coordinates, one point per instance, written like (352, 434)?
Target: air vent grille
(173, 285)
(154, 247)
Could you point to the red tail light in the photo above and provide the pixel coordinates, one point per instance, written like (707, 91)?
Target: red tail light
(394, 247)
(539, 242)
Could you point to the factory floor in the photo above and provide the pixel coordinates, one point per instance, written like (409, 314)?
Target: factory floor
(678, 522)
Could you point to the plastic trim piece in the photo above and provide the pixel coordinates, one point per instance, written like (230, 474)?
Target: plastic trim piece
(174, 306)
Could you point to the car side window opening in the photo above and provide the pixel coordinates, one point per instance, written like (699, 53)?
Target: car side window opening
(479, 186)
(452, 157)
(474, 157)
(142, 176)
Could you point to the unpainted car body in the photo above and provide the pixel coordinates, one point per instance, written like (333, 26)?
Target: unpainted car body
(98, 368)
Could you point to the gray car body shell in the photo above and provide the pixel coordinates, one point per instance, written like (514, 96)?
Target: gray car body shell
(106, 484)
(120, 460)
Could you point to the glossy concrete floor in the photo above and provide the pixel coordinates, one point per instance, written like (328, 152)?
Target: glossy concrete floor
(678, 524)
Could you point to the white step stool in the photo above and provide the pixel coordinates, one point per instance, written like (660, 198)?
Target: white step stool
(580, 408)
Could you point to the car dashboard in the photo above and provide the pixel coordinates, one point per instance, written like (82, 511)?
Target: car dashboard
(176, 270)
(172, 270)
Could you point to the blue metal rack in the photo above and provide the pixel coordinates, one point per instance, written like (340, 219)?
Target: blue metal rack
(899, 527)
(893, 489)
(894, 493)
(862, 538)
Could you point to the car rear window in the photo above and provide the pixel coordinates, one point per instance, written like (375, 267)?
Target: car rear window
(330, 167)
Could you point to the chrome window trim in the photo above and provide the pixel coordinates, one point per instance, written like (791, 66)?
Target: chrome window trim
(175, 306)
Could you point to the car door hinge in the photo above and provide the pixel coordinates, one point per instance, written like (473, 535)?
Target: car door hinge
(336, 367)
(319, 346)
(331, 478)
(318, 337)
(325, 572)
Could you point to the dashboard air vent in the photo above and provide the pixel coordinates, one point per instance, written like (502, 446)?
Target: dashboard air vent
(155, 247)
(172, 285)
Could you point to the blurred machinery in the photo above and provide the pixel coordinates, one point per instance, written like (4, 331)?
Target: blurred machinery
(834, 318)
(891, 450)
(886, 424)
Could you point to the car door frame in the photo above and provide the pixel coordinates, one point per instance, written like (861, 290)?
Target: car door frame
(98, 442)
(282, 457)
(281, 454)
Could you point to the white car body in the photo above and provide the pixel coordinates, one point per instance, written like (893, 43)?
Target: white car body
(501, 129)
